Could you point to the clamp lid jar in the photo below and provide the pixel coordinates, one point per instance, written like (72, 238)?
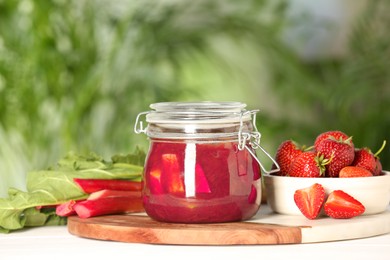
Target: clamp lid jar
(201, 166)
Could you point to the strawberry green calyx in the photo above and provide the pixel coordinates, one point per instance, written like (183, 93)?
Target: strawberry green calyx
(348, 141)
(342, 140)
(302, 147)
(321, 162)
(380, 149)
(306, 149)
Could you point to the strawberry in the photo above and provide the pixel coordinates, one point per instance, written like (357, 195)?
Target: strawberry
(378, 168)
(309, 200)
(365, 158)
(336, 134)
(354, 171)
(339, 152)
(286, 154)
(340, 204)
(308, 164)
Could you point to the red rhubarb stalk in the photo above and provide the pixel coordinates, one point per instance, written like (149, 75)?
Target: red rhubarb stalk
(109, 205)
(66, 209)
(92, 185)
(113, 193)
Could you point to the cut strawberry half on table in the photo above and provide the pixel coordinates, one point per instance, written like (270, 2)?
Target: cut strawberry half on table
(309, 200)
(342, 205)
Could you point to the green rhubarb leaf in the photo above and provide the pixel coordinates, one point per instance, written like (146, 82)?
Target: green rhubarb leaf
(55, 220)
(12, 209)
(43, 217)
(11, 215)
(74, 161)
(18, 210)
(4, 231)
(55, 186)
(34, 217)
(136, 158)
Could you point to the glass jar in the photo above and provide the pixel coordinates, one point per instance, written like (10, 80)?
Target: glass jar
(201, 166)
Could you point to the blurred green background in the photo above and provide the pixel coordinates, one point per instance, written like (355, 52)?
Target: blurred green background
(75, 73)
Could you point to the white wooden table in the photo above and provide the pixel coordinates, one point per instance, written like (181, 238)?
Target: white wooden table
(57, 243)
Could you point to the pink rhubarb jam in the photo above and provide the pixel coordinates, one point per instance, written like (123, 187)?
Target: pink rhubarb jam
(200, 182)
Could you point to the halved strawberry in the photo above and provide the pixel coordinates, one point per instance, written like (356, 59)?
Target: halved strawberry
(354, 171)
(309, 200)
(340, 204)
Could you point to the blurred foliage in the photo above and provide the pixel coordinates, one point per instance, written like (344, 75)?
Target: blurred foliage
(351, 93)
(74, 74)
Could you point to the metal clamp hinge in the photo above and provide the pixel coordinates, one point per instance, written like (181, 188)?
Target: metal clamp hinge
(253, 139)
(139, 126)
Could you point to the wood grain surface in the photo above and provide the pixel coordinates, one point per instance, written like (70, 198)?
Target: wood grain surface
(142, 229)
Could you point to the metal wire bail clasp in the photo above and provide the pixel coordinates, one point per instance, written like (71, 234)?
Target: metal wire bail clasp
(253, 139)
(139, 126)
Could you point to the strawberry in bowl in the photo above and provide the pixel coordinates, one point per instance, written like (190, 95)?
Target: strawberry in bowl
(331, 178)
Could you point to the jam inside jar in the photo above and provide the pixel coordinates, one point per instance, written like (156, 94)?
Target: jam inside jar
(201, 165)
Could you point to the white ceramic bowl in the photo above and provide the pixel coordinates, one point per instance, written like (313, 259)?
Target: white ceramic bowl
(372, 192)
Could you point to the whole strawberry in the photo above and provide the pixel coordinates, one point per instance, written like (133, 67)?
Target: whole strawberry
(336, 134)
(340, 153)
(308, 164)
(286, 154)
(378, 168)
(365, 158)
(354, 171)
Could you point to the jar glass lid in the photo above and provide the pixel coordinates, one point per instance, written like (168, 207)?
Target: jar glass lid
(203, 105)
(207, 112)
(187, 120)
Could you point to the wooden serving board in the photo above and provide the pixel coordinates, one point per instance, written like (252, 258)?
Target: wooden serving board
(265, 228)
